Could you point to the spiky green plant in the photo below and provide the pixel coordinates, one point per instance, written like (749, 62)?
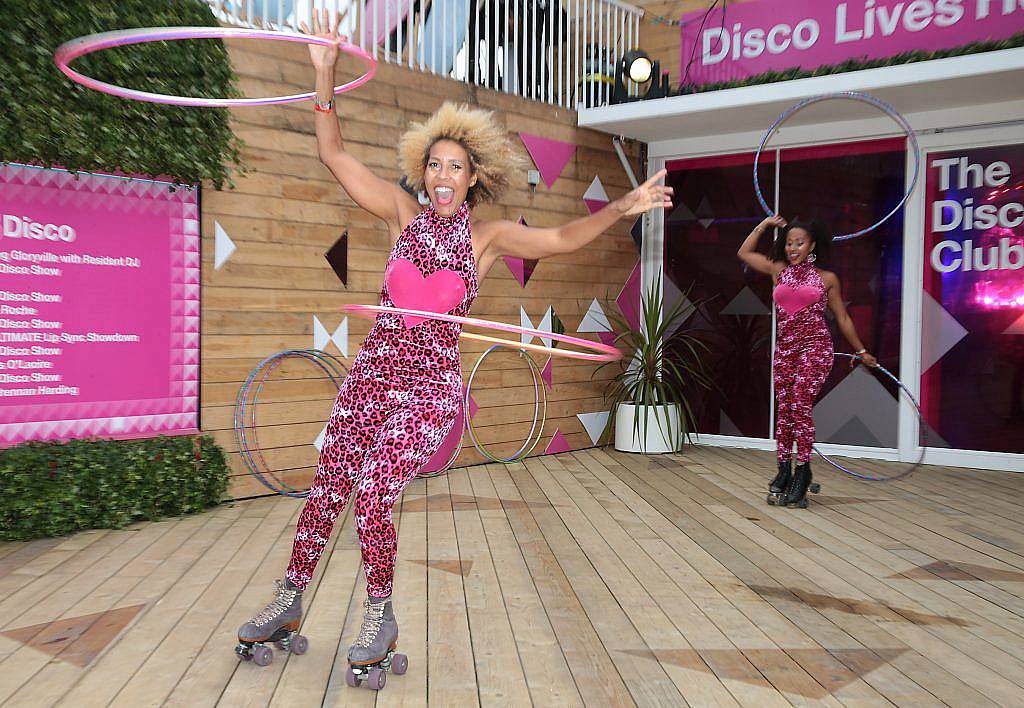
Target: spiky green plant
(662, 364)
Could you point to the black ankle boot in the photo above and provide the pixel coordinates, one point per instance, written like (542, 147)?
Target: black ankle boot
(781, 481)
(796, 490)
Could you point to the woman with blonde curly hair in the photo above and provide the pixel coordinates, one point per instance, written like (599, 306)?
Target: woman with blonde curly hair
(401, 396)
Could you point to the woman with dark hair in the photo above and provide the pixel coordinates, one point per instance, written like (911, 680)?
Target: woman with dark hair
(803, 349)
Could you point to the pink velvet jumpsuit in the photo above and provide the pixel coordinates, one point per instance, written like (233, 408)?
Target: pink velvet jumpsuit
(398, 402)
(803, 357)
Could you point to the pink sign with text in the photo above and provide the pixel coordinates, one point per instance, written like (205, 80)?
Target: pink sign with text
(773, 35)
(99, 306)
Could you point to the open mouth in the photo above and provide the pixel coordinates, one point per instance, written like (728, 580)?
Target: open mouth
(445, 195)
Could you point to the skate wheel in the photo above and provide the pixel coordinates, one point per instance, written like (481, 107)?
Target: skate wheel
(298, 644)
(399, 664)
(802, 504)
(815, 488)
(773, 500)
(377, 678)
(262, 656)
(243, 652)
(352, 679)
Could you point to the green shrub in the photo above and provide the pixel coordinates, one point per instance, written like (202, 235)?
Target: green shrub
(52, 489)
(47, 119)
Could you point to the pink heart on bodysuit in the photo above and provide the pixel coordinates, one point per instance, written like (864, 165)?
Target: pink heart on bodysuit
(792, 300)
(438, 292)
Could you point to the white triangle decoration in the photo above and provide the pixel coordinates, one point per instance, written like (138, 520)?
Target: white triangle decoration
(594, 423)
(340, 337)
(595, 320)
(526, 323)
(321, 337)
(595, 192)
(544, 326)
(223, 246)
(319, 442)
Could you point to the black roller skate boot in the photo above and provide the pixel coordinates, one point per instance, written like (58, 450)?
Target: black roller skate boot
(801, 483)
(781, 481)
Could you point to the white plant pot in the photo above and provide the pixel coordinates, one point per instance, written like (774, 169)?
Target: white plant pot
(653, 436)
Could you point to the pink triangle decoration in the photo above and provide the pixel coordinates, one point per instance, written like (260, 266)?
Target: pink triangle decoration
(546, 372)
(607, 338)
(558, 444)
(521, 269)
(473, 407)
(550, 156)
(596, 198)
(629, 299)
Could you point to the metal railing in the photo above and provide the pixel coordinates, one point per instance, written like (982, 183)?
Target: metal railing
(561, 52)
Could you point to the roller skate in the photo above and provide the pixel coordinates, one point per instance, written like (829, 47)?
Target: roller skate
(373, 654)
(801, 483)
(781, 481)
(277, 623)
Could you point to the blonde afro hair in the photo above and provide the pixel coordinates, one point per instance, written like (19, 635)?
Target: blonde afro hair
(491, 154)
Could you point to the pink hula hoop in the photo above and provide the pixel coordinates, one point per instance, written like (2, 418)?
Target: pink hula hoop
(75, 48)
(597, 351)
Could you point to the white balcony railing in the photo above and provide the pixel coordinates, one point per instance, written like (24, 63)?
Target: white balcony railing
(560, 52)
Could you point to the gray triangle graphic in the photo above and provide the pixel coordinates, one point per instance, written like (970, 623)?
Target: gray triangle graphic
(681, 213)
(854, 433)
(746, 303)
(940, 332)
(726, 426)
(859, 395)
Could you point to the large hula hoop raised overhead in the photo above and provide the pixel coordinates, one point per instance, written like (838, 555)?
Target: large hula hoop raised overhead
(597, 351)
(75, 48)
(920, 418)
(851, 96)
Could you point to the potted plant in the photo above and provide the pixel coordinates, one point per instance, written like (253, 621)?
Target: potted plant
(660, 374)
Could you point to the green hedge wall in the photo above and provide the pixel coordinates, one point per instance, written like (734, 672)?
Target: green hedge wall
(52, 489)
(48, 119)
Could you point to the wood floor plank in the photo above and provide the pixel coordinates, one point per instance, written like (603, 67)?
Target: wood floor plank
(451, 663)
(115, 669)
(540, 654)
(591, 578)
(56, 677)
(213, 666)
(499, 672)
(596, 672)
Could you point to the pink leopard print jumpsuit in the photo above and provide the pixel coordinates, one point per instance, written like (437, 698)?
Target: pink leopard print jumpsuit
(398, 402)
(803, 357)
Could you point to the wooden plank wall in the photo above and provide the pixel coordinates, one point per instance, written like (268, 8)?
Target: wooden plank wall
(287, 211)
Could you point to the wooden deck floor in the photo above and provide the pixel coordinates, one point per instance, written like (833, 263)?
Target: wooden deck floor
(590, 578)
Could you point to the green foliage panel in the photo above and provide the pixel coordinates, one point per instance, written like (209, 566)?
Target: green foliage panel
(48, 119)
(52, 489)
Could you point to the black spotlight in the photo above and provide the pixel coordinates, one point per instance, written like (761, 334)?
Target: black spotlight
(637, 67)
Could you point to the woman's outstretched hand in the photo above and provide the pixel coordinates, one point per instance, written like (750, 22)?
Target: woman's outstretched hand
(647, 196)
(324, 56)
